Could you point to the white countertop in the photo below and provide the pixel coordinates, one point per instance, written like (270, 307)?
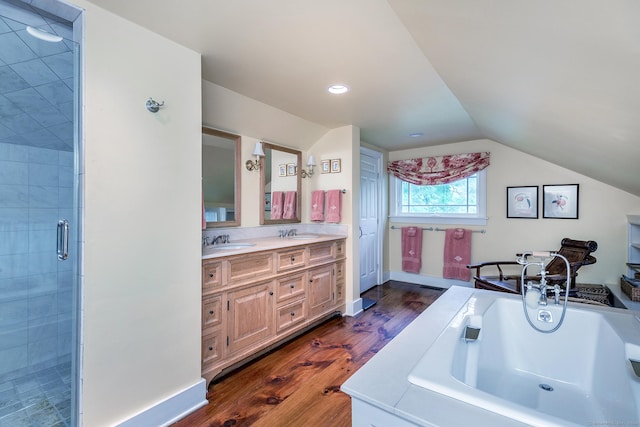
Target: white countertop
(264, 244)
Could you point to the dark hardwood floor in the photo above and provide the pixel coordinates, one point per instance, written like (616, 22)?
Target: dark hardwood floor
(298, 384)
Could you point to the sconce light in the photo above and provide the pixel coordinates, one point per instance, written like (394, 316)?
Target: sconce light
(253, 165)
(308, 173)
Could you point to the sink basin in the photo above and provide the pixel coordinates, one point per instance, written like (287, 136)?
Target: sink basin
(230, 246)
(304, 236)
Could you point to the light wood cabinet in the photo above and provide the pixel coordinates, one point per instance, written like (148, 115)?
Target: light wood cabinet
(252, 302)
(321, 289)
(250, 315)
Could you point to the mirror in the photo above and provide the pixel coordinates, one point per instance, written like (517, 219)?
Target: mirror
(221, 178)
(280, 183)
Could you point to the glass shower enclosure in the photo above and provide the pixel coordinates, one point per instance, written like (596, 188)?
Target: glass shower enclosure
(39, 219)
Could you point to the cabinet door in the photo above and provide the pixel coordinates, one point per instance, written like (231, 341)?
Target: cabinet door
(321, 289)
(250, 315)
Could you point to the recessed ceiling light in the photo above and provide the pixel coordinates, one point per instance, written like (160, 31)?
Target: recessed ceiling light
(338, 89)
(416, 134)
(43, 35)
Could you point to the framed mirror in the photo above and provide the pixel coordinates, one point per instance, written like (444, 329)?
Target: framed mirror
(280, 184)
(221, 178)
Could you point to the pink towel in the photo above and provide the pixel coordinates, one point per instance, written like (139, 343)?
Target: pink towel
(457, 254)
(277, 202)
(411, 249)
(334, 206)
(317, 205)
(290, 205)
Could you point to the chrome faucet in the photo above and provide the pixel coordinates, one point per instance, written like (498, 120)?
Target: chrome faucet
(205, 240)
(223, 238)
(291, 232)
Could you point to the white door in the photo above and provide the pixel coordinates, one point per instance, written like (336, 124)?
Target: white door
(370, 209)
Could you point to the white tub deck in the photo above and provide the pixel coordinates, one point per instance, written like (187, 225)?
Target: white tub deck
(383, 395)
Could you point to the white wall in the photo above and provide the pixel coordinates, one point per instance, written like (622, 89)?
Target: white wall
(602, 211)
(142, 219)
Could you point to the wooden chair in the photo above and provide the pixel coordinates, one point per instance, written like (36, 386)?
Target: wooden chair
(577, 253)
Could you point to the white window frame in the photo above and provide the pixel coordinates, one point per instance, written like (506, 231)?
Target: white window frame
(479, 218)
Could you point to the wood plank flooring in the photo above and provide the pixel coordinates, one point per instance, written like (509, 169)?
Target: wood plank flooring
(298, 384)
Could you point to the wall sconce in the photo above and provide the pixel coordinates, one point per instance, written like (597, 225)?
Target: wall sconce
(308, 173)
(253, 165)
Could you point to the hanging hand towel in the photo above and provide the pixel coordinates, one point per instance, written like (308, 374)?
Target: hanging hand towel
(277, 202)
(411, 249)
(317, 205)
(457, 254)
(334, 206)
(289, 211)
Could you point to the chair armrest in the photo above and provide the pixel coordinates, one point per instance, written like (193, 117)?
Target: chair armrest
(497, 264)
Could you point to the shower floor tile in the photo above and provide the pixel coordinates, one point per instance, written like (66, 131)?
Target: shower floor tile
(41, 399)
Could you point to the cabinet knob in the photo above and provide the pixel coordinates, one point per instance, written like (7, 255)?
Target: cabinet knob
(210, 311)
(293, 286)
(270, 292)
(293, 314)
(210, 348)
(211, 275)
(293, 259)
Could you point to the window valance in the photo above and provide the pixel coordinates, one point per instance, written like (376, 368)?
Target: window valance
(439, 169)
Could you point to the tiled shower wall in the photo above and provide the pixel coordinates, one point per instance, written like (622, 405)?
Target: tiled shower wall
(36, 289)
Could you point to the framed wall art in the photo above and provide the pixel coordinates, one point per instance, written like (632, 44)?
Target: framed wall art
(291, 169)
(560, 201)
(336, 166)
(325, 166)
(282, 170)
(522, 202)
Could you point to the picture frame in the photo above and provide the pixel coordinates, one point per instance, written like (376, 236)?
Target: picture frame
(291, 169)
(560, 201)
(336, 165)
(282, 169)
(522, 202)
(325, 166)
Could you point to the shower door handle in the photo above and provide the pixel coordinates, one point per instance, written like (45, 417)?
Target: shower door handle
(63, 239)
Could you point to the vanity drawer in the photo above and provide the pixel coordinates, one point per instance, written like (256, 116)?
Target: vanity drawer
(288, 260)
(290, 315)
(211, 311)
(340, 272)
(212, 348)
(340, 249)
(211, 275)
(291, 286)
(321, 252)
(247, 267)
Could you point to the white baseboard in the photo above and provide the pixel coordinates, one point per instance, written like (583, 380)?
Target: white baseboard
(437, 282)
(172, 409)
(353, 308)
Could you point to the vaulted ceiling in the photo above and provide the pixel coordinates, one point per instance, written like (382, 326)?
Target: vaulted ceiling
(558, 79)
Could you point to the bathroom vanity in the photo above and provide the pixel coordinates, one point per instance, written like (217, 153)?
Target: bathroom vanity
(256, 297)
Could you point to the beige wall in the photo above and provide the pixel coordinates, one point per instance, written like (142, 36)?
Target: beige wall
(341, 143)
(142, 215)
(602, 211)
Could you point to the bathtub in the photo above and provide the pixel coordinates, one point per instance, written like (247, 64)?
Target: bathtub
(581, 374)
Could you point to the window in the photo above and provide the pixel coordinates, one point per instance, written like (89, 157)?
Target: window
(459, 202)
